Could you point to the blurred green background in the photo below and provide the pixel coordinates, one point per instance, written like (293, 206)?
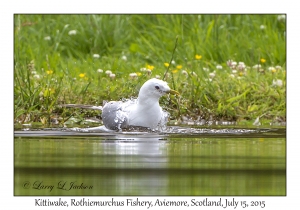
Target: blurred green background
(62, 59)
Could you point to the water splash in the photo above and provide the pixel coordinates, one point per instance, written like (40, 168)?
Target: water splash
(174, 131)
(162, 125)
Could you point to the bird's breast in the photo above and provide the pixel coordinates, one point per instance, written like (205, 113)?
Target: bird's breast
(146, 116)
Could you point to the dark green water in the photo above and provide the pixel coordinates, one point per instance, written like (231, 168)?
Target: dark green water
(150, 164)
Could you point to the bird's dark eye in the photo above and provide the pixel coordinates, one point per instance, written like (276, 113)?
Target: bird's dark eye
(156, 87)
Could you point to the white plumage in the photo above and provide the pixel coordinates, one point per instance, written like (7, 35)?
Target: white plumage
(145, 111)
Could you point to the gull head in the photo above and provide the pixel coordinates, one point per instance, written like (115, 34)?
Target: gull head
(155, 88)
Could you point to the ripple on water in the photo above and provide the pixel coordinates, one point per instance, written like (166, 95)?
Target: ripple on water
(168, 130)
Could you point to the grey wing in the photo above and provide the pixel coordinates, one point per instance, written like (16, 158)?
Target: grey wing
(113, 117)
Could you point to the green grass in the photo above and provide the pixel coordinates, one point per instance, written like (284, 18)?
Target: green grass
(48, 63)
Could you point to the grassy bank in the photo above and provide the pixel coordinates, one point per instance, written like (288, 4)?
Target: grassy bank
(229, 67)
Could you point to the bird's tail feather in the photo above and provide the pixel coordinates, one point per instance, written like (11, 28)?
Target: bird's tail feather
(82, 106)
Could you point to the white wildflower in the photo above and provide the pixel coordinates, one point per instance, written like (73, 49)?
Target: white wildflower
(281, 17)
(157, 76)
(108, 72)
(231, 75)
(277, 82)
(184, 72)
(146, 70)
(262, 27)
(257, 66)
(278, 67)
(271, 68)
(219, 67)
(149, 72)
(205, 69)
(232, 64)
(229, 62)
(72, 32)
(124, 58)
(241, 66)
(133, 75)
(212, 75)
(112, 76)
(173, 62)
(47, 38)
(100, 71)
(96, 56)
(36, 76)
(33, 72)
(234, 71)
(143, 69)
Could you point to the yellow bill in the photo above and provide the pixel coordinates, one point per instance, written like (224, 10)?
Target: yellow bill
(174, 92)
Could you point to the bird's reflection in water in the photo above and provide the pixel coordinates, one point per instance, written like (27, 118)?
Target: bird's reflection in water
(140, 163)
